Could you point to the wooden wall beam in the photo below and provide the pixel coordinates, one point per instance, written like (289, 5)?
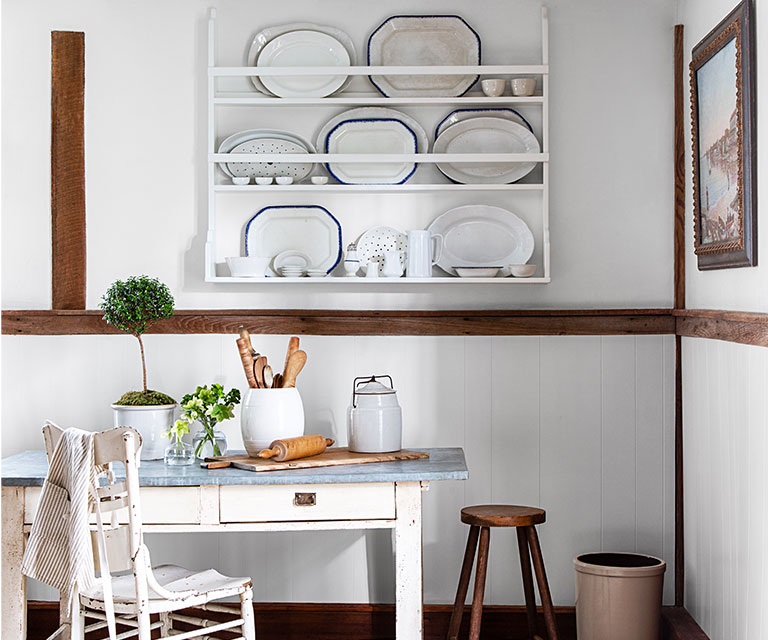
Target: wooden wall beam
(731, 326)
(68, 170)
(358, 323)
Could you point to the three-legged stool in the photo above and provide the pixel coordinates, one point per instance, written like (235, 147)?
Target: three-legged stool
(481, 518)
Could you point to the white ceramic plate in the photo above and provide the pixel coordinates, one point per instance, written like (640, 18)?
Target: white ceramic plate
(375, 242)
(261, 39)
(371, 136)
(477, 272)
(238, 138)
(311, 230)
(464, 114)
(266, 169)
(482, 235)
(375, 113)
(423, 41)
(303, 49)
(486, 135)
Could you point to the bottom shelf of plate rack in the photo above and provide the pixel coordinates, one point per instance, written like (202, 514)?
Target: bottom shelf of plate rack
(365, 282)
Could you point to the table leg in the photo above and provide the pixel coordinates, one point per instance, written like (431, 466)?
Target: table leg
(14, 606)
(408, 562)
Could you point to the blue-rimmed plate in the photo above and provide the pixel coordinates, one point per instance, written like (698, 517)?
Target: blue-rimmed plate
(497, 112)
(311, 230)
(369, 136)
(424, 41)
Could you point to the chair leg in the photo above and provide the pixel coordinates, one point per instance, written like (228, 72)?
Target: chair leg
(477, 597)
(77, 621)
(525, 569)
(461, 590)
(166, 624)
(541, 579)
(145, 631)
(246, 612)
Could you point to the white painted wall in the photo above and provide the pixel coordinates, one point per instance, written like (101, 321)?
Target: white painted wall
(582, 426)
(145, 95)
(742, 289)
(726, 488)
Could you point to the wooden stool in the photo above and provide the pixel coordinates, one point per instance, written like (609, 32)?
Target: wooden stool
(481, 518)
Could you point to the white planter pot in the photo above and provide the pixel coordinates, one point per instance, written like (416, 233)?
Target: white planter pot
(150, 422)
(268, 415)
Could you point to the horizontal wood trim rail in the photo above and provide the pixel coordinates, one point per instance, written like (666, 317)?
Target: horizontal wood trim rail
(301, 621)
(359, 323)
(731, 326)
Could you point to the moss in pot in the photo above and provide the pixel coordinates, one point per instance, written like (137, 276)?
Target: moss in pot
(132, 306)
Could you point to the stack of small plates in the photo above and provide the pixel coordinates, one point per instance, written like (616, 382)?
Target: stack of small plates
(316, 273)
(292, 272)
(485, 131)
(301, 44)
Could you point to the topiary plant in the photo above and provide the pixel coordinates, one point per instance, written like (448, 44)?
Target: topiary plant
(132, 306)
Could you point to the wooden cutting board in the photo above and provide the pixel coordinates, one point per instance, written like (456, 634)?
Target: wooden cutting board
(329, 458)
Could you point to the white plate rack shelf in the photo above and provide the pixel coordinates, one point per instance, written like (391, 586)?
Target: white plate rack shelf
(217, 189)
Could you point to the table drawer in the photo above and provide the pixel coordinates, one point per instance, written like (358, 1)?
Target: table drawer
(288, 503)
(166, 505)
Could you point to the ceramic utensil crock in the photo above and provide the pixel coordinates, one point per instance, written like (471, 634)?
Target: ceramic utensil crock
(374, 420)
(268, 415)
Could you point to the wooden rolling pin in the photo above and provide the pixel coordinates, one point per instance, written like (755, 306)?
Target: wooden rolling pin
(246, 356)
(294, 448)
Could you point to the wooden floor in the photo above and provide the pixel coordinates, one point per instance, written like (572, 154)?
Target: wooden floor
(309, 621)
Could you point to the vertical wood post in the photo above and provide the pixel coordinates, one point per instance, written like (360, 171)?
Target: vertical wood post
(67, 169)
(409, 615)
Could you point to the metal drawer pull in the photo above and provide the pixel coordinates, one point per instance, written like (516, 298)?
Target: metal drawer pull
(304, 499)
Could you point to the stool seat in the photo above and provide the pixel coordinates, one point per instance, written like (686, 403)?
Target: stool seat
(502, 515)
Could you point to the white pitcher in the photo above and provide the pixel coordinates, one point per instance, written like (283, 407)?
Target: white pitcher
(393, 268)
(424, 250)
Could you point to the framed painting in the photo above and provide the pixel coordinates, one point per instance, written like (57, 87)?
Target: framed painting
(723, 121)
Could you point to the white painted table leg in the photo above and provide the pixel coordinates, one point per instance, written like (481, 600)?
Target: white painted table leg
(14, 607)
(408, 563)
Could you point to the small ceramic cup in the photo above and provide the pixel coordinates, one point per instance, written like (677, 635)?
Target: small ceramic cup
(319, 179)
(284, 179)
(241, 180)
(493, 87)
(523, 86)
(264, 180)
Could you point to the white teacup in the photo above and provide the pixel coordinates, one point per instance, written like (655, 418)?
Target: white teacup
(523, 86)
(493, 87)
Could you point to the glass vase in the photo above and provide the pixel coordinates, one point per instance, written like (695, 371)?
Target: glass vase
(202, 446)
(179, 453)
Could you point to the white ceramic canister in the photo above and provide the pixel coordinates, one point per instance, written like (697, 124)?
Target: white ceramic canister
(374, 420)
(150, 421)
(268, 415)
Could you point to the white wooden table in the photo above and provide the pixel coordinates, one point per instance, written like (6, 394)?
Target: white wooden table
(383, 495)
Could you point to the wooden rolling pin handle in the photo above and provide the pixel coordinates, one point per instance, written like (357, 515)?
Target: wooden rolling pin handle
(294, 448)
(247, 360)
(219, 464)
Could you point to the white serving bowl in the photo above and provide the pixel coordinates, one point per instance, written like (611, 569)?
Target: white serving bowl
(477, 272)
(319, 179)
(522, 270)
(248, 267)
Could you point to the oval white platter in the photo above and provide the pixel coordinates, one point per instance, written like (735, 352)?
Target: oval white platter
(423, 41)
(261, 39)
(311, 230)
(482, 235)
(372, 135)
(376, 241)
(486, 135)
(303, 49)
(238, 138)
(375, 113)
(465, 114)
(266, 169)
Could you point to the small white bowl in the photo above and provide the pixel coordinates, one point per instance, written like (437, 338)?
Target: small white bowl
(241, 180)
(248, 267)
(284, 179)
(522, 270)
(493, 87)
(319, 179)
(523, 86)
(264, 180)
(477, 272)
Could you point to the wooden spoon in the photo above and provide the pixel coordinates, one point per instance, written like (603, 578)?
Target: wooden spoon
(277, 383)
(269, 378)
(258, 371)
(293, 347)
(293, 367)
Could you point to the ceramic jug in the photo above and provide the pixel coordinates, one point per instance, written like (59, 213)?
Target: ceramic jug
(424, 250)
(393, 268)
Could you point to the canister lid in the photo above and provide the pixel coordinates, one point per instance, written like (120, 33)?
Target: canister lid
(374, 388)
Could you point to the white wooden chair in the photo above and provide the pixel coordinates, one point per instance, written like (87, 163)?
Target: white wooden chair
(130, 599)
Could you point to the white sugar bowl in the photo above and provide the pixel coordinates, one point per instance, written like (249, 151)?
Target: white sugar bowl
(374, 420)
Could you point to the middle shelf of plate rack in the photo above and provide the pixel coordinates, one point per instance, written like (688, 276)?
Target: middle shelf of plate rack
(218, 98)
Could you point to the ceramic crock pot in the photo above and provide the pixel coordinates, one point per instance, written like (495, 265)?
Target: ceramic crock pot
(268, 415)
(374, 420)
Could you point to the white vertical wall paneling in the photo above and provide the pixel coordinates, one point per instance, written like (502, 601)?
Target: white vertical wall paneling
(528, 411)
(726, 532)
(618, 441)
